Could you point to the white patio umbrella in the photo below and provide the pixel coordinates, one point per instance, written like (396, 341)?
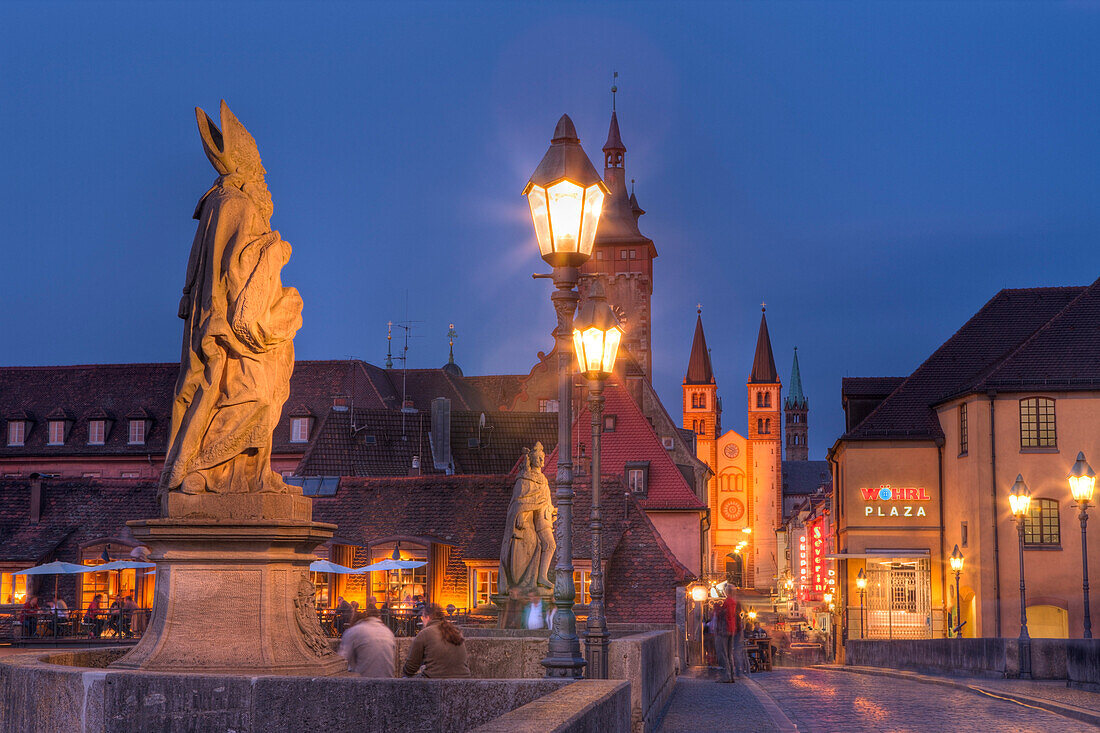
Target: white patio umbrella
(120, 565)
(55, 568)
(392, 565)
(324, 566)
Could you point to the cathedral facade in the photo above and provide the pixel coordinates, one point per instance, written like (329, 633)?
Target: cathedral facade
(745, 493)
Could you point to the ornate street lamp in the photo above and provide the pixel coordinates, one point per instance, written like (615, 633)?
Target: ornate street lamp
(1082, 481)
(1019, 499)
(956, 562)
(861, 584)
(566, 197)
(596, 337)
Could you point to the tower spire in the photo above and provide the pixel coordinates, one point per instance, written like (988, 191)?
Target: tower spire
(795, 398)
(699, 370)
(763, 364)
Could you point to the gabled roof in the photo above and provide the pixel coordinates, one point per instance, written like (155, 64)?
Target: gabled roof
(699, 370)
(763, 363)
(998, 335)
(795, 398)
(633, 439)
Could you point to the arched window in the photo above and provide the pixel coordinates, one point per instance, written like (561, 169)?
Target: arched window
(1037, 424)
(702, 400)
(759, 426)
(767, 399)
(767, 426)
(1041, 525)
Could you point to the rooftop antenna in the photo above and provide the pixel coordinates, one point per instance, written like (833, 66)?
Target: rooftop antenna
(451, 336)
(614, 89)
(406, 326)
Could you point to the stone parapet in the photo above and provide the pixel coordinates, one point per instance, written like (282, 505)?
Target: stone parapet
(586, 706)
(96, 699)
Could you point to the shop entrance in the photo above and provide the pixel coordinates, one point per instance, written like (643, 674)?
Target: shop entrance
(899, 599)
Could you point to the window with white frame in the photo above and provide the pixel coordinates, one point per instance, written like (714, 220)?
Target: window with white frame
(548, 405)
(582, 579)
(137, 432)
(17, 430)
(483, 584)
(299, 430)
(637, 476)
(56, 432)
(97, 432)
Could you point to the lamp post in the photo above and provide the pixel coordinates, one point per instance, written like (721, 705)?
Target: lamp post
(956, 562)
(1019, 499)
(699, 593)
(1082, 480)
(566, 197)
(596, 337)
(861, 584)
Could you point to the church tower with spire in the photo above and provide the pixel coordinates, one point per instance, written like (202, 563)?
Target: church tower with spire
(623, 257)
(795, 409)
(702, 410)
(765, 449)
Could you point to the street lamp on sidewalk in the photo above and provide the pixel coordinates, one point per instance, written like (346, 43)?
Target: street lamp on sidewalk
(956, 561)
(566, 196)
(1082, 480)
(861, 584)
(596, 337)
(1019, 499)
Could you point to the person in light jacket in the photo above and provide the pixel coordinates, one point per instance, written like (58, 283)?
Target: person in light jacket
(369, 646)
(439, 648)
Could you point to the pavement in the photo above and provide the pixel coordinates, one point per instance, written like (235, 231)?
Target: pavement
(855, 700)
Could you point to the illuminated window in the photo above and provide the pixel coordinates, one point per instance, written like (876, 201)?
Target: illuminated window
(1037, 424)
(57, 432)
(137, 432)
(13, 588)
(97, 430)
(1041, 523)
(299, 430)
(581, 582)
(17, 430)
(485, 585)
(963, 439)
(321, 593)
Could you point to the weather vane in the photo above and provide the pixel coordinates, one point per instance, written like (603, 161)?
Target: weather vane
(389, 343)
(452, 335)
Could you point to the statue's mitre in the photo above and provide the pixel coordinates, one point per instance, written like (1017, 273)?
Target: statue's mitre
(230, 149)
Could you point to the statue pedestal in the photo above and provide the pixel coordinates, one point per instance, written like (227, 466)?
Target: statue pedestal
(233, 594)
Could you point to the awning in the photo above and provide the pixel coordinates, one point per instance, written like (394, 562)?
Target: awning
(897, 555)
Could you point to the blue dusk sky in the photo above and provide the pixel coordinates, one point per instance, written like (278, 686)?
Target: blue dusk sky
(874, 171)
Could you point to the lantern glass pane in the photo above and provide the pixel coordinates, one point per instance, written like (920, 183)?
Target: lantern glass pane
(611, 349)
(593, 349)
(566, 203)
(540, 215)
(578, 348)
(1081, 487)
(593, 205)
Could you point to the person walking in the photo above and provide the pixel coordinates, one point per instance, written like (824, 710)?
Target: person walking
(344, 615)
(734, 639)
(439, 648)
(369, 646)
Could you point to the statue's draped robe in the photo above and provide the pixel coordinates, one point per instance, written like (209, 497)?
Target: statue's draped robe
(520, 553)
(238, 352)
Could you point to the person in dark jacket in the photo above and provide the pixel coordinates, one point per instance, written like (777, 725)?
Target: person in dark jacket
(439, 648)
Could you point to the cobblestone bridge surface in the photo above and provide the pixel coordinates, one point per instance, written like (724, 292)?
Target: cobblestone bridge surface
(840, 702)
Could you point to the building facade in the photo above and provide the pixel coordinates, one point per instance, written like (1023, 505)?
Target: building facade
(928, 466)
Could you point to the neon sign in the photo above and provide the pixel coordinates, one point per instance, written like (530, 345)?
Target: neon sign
(893, 494)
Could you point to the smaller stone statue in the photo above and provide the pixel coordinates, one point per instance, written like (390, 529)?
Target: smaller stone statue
(529, 544)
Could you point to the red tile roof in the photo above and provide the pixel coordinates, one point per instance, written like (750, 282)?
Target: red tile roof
(632, 440)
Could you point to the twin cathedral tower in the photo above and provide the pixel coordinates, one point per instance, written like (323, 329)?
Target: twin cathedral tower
(745, 492)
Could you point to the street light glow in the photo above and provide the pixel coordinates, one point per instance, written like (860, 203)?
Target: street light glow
(1019, 497)
(956, 560)
(1082, 481)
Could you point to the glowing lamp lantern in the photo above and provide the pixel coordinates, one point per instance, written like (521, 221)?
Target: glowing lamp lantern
(956, 560)
(861, 579)
(1082, 481)
(596, 335)
(752, 615)
(828, 597)
(1019, 497)
(698, 593)
(566, 197)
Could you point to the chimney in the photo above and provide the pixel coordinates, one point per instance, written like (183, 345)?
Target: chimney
(415, 470)
(440, 437)
(36, 498)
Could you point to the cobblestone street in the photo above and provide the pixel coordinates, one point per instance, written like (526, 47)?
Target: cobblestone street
(834, 702)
